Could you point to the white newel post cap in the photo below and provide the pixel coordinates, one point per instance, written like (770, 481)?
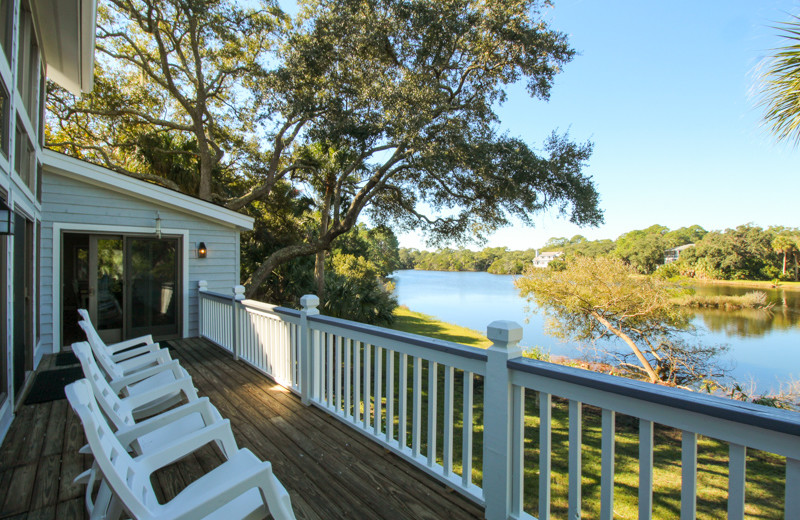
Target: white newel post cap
(202, 286)
(310, 302)
(504, 334)
(238, 292)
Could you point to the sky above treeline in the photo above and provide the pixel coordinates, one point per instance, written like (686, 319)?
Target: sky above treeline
(668, 94)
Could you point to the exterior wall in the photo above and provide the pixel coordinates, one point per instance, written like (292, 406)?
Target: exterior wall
(70, 204)
(21, 112)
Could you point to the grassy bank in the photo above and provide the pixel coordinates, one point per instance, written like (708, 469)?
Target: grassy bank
(750, 300)
(747, 284)
(765, 475)
(407, 320)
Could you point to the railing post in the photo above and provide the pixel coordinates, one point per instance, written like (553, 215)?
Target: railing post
(238, 295)
(309, 304)
(202, 286)
(497, 438)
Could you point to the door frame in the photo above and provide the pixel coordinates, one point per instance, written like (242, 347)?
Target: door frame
(59, 228)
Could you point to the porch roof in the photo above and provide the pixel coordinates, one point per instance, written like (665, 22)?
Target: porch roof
(66, 30)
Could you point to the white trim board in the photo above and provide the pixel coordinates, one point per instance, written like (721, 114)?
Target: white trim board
(59, 227)
(93, 174)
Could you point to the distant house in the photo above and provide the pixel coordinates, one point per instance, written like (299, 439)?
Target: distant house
(671, 255)
(544, 259)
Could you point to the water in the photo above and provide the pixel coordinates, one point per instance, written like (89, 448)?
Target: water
(764, 345)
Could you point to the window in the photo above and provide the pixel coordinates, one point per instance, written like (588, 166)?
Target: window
(28, 64)
(3, 314)
(6, 17)
(5, 111)
(25, 157)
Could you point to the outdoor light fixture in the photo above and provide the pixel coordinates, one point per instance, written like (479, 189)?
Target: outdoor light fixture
(158, 225)
(201, 250)
(6, 219)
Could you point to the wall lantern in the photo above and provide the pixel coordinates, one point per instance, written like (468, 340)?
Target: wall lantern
(201, 250)
(6, 219)
(158, 225)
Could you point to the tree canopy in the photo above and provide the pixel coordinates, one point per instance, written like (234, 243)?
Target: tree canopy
(383, 107)
(780, 84)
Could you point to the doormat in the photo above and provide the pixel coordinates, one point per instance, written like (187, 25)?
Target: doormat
(49, 385)
(66, 358)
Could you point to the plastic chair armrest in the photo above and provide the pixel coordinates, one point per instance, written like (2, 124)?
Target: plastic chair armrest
(136, 351)
(158, 357)
(179, 448)
(118, 384)
(128, 343)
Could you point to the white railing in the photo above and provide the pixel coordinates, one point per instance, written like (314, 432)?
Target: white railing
(427, 400)
(252, 331)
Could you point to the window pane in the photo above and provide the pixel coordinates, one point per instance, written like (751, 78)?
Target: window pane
(5, 109)
(6, 16)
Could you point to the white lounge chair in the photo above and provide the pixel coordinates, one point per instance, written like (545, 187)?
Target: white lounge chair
(147, 385)
(126, 362)
(241, 487)
(147, 435)
(116, 348)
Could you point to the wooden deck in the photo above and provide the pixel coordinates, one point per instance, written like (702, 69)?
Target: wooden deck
(330, 470)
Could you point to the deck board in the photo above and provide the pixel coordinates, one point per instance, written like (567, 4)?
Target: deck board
(329, 469)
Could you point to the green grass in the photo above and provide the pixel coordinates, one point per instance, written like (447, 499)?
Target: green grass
(417, 323)
(765, 472)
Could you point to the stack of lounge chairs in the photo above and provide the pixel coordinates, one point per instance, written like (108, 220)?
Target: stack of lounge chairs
(141, 412)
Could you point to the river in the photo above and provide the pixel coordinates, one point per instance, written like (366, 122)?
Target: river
(764, 345)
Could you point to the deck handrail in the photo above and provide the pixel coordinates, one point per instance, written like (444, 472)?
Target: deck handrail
(775, 419)
(376, 381)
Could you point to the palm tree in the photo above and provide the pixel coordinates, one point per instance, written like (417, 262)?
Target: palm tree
(785, 245)
(780, 89)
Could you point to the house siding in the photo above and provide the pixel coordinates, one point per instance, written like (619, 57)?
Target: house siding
(73, 203)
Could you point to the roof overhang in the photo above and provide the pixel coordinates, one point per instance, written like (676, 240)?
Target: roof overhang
(66, 30)
(95, 175)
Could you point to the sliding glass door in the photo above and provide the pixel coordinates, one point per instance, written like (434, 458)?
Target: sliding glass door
(130, 285)
(152, 296)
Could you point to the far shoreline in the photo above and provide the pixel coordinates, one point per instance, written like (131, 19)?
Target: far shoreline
(747, 284)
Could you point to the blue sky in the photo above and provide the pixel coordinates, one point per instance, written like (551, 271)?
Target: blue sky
(667, 93)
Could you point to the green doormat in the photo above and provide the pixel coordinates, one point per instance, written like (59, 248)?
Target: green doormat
(49, 385)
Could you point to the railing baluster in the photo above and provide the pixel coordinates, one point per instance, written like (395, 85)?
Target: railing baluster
(737, 461)
(575, 468)
(545, 453)
(466, 439)
(348, 377)
(338, 403)
(389, 428)
(607, 465)
(376, 420)
(645, 469)
(517, 449)
(367, 385)
(416, 396)
(329, 372)
(402, 404)
(447, 438)
(433, 400)
(357, 382)
(688, 475)
(791, 507)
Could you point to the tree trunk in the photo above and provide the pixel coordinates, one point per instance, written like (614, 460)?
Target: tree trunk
(636, 351)
(319, 275)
